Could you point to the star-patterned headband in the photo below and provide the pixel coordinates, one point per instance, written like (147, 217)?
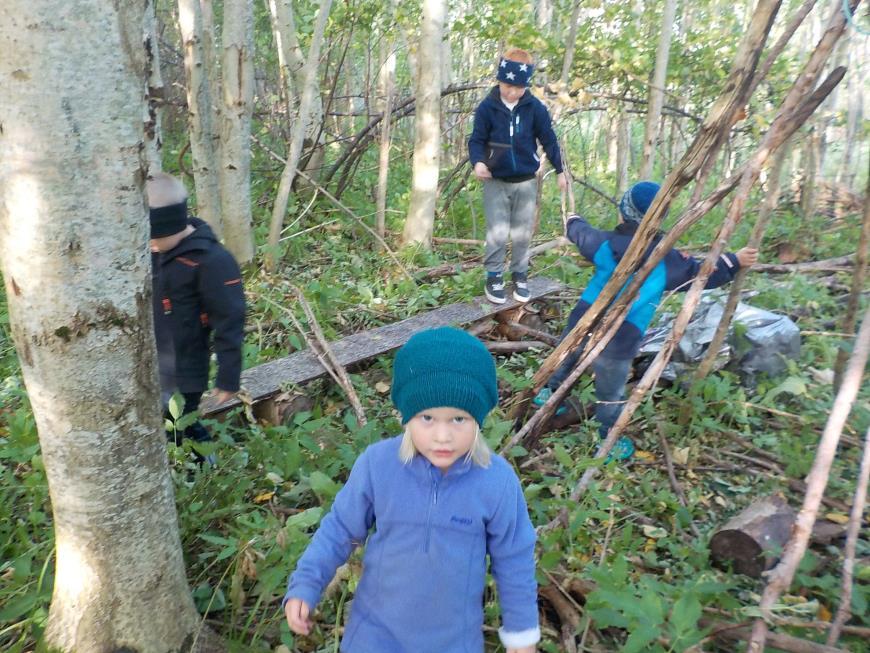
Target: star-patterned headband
(515, 72)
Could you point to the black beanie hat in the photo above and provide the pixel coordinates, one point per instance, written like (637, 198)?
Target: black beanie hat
(168, 220)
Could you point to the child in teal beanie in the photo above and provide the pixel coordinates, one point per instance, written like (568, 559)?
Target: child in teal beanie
(429, 506)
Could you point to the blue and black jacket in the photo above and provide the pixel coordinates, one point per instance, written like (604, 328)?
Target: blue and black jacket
(675, 271)
(507, 140)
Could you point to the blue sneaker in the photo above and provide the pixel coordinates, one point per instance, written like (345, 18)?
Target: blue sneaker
(622, 450)
(541, 398)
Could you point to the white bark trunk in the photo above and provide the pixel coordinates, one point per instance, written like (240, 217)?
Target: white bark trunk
(154, 92)
(623, 151)
(238, 105)
(199, 102)
(75, 260)
(427, 127)
(570, 42)
(290, 57)
(657, 90)
(299, 130)
(291, 62)
(388, 68)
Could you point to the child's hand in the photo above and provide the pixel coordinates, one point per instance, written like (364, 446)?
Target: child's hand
(563, 181)
(296, 611)
(524, 649)
(747, 257)
(481, 171)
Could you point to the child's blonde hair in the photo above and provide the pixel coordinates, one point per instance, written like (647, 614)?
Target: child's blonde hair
(517, 54)
(164, 190)
(480, 453)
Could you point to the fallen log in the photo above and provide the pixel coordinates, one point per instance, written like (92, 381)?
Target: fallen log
(750, 541)
(740, 633)
(514, 346)
(827, 265)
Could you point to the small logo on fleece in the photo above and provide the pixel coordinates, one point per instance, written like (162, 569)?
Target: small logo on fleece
(465, 521)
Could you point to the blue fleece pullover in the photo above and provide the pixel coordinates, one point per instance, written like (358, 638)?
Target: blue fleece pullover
(424, 567)
(675, 271)
(506, 140)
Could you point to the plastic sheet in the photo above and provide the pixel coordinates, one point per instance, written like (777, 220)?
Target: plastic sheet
(758, 341)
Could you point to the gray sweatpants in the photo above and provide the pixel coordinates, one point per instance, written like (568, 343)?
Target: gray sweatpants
(510, 212)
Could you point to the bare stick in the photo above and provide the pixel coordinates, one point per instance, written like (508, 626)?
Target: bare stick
(855, 519)
(535, 333)
(781, 576)
(858, 275)
(675, 484)
(343, 379)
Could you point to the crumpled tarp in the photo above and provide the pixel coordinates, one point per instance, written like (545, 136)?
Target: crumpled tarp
(758, 341)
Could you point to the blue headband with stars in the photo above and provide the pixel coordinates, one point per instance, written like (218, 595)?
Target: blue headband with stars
(514, 72)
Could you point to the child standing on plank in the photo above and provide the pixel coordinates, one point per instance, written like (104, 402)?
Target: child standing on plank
(429, 506)
(503, 147)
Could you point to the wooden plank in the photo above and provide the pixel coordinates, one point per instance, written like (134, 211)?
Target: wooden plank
(266, 380)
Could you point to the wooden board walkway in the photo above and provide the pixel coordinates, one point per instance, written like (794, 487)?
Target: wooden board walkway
(267, 380)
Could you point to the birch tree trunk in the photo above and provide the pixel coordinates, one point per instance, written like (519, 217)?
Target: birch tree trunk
(570, 42)
(291, 62)
(299, 130)
(75, 261)
(623, 151)
(388, 68)
(154, 92)
(427, 127)
(290, 57)
(657, 90)
(199, 111)
(238, 105)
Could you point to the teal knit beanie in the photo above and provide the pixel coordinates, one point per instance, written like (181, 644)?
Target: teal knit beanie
(444, 367)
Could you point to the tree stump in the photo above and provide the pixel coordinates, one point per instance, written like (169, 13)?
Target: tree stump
(750, 542)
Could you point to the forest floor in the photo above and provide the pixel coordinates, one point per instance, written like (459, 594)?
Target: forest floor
(632, 566)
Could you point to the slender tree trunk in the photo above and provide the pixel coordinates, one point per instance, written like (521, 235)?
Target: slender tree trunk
(387, 71)
(238, 105)
(309, 92)
(811, 170)
(155, 93)
(623, 151)
(427, 127)
(290, 57)
(291, 62)
(657, 89)
(570, 42)
(544, 15)
(199, 111)
(74, 256)
(860, 273)
(781, 576)
(210, 58)
(855, 110)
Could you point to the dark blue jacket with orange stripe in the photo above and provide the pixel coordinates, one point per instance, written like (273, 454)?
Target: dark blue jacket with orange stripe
(675, 271)
(198, 294)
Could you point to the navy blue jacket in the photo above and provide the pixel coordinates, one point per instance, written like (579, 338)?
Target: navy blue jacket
(675, 271)
(424, 569)
(198, 293)
(506, 140)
